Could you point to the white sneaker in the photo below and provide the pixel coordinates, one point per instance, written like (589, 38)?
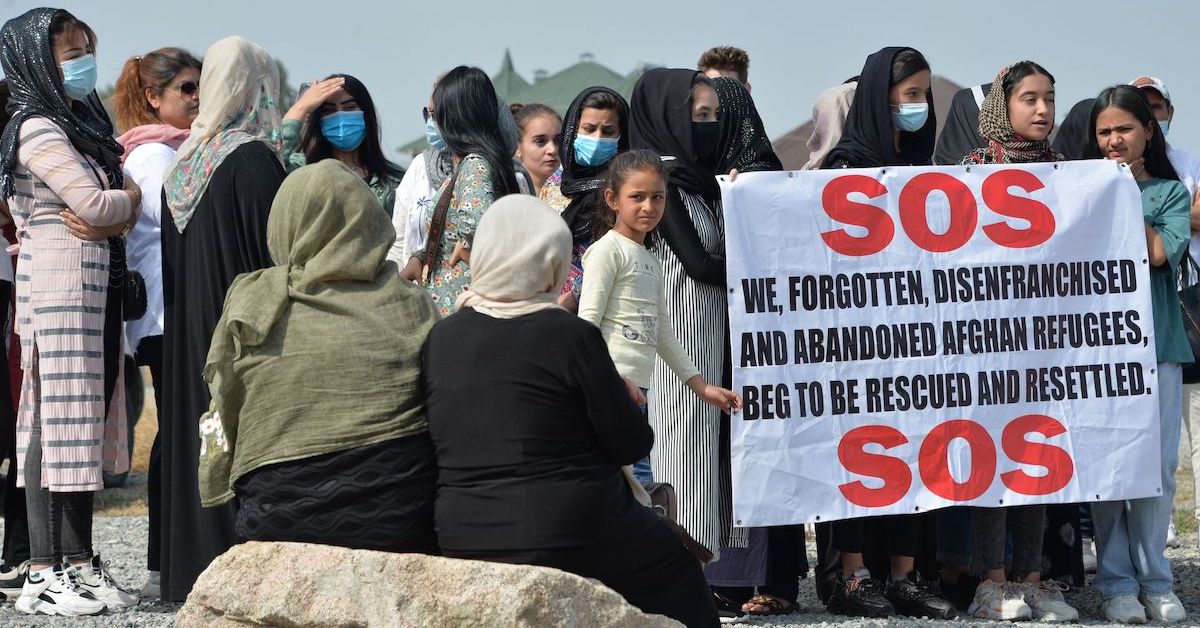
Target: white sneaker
(1125, 609)
(95, 579)
(13, 580)
(152, 590)
(54, 591)
(1046, 600)
(1165, 608)
(1089, 555)
(999, 602)
(1172, 537)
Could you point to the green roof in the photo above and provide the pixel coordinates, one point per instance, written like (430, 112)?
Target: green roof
(556, 90)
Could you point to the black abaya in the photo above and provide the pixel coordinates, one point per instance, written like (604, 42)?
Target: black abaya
(227, 236)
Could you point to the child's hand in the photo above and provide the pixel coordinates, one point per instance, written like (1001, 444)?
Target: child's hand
(723, 398)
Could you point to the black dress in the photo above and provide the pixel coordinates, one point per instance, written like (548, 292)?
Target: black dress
(531, 423)
(227, 236)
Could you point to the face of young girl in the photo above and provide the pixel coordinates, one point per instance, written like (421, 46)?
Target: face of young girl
(1121, 136)
(1031, 107)
(639, 204)
(538, 151)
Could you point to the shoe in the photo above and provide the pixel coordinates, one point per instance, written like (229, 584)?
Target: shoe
(12, 580)
(1089, 555)
(731, 617)
(960, 593)
(95, 579)
(1172, 537)
(152, 590)
(999, 602)
(1046, 600)
(1165, 608)
(55, 591)
(914, 597)
(1125, 609)
(728, 611)
(860, 595)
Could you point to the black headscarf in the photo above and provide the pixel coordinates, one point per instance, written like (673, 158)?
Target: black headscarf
(582, 184)
(660, 119)
(28, 62)
(749, 148)
(960, 135)
(1072, 135)
(867, 139)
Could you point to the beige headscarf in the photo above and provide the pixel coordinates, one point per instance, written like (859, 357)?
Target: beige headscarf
(519, 258)
(239, 91)
(829, 116)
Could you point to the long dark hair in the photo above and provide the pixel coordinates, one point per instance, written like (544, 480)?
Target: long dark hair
(370, 155)
(465, 109)
(1018, 72)
(1130, 99)
(155, 70)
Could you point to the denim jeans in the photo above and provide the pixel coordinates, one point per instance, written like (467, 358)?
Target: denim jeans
(989, 531)
(60, 524)
(1131, 535)
(641, 468)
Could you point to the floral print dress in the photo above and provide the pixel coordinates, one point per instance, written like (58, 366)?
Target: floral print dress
(473, 193)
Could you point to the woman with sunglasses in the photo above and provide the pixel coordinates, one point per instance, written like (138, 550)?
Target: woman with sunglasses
(156, 99)
(335, 118)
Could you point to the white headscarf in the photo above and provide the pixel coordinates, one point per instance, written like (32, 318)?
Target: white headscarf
(829, 116)
(519, 258)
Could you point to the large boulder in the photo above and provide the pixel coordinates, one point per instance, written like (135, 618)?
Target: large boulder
(300, 584)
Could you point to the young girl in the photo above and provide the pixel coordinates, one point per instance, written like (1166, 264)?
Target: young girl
(622, 286)
(537, 149)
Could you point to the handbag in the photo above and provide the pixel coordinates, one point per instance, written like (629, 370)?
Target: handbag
(131, 283)
(1189, 301)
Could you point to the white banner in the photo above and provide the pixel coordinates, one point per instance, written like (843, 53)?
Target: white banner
(912, 338)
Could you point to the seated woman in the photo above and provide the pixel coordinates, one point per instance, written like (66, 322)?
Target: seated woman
(531, 424)
(317, 422)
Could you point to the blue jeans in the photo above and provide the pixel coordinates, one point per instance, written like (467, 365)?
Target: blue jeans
(641, 468)
(1131, 535)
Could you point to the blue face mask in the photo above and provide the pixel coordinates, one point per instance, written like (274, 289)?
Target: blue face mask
(911, 117)
(594, 151)
(433, 135)
(1165, 125)
(79, 76)
(345, 130)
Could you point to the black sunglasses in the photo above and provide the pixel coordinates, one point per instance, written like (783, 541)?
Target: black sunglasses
(188, 87)
(427, 113)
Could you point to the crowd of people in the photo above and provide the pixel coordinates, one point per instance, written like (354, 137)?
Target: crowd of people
(515, 350)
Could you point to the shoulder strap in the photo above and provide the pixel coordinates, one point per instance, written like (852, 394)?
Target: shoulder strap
(437, 226)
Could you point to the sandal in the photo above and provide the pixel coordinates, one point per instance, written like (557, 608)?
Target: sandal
(769, 605)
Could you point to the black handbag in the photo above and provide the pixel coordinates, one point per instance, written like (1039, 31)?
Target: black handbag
(131, 283)
(1189, 301)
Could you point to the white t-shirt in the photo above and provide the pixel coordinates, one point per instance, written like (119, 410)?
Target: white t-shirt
(147, 165)
(414, 196)
(1187, 166)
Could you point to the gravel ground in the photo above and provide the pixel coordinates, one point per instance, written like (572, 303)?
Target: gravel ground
(122, 542)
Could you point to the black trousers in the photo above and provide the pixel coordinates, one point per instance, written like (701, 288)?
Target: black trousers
(149, 353)
(652, 572)
(16, 524)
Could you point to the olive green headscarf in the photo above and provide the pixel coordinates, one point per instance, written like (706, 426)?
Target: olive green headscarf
(320, 352)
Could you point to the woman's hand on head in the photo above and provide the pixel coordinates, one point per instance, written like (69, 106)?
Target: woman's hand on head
(313, 97)
(82, 230)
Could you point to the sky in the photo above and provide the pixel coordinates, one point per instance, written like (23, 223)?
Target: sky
(797, 48)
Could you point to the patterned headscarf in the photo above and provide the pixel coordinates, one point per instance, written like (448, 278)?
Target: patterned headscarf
(37, 92)
(748, 149)
(1004, 144)
(239, 87)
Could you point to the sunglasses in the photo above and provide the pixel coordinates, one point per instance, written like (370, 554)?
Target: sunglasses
(188, 88)
(427, 113)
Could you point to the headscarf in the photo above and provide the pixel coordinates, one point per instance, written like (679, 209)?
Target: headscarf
(581, 183)
(867, 139)
(519, 259)
(438, 163)
(151, 134)
(357, 368)
(1004, 144)
(239, 87)
(660, 119)
(828, 116)
(1072, 134)
(960, 134)
(747, 147)
(37, 92)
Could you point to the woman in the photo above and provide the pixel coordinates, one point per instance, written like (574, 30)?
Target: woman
(59, 157)
(347, 463)
(218, 194)
(336, 118)
(828, 117)
(891, 123)
(465, 108)
(157, 98)
(1015, 120)
(1133, 574)
(545, 486)
(537, 149)
(595, 130)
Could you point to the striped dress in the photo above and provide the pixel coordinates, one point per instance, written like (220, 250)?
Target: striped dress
(686, 430)
(61, 292)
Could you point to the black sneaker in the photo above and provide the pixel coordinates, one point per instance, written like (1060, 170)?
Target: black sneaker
(728, 611)
(916, 598)
(960, 593)
(859, 596)
(12, 580)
